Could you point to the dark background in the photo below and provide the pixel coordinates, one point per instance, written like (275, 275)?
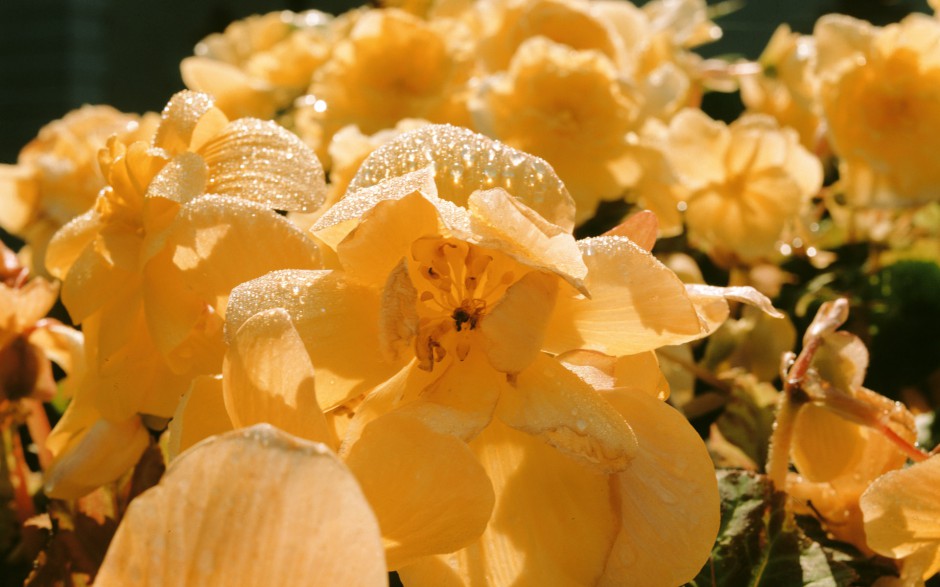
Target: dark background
(56, 55)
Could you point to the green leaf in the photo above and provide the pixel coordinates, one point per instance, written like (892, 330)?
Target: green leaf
(748, 419)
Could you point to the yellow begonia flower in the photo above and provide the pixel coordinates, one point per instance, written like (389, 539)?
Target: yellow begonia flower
(56, 176)
(570, 108)
(259, 65)
(445, 330)
(400, 66)
(901, 509)
(148, 270)
(879, 98)
(786, 86)
(745, 182)
(253, 507)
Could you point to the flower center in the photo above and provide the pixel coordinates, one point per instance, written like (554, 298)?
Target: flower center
(457, 283)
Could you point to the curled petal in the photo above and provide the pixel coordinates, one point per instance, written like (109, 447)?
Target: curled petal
(188, 120)
(464, 162)
(251, 507)
(552, 403)
(268, 377)
(427, 489)
(711, 302)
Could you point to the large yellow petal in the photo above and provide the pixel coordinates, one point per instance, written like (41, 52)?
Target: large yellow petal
(901, 510)
(514, 329)
(91, 281)
(337, 321)
(465, 162)
(637, 304)
(68, 243)
(200, 414)
(553, 523)
(183, 178)
(267, 377)
(554, 404)
(427, 489)
(667, 499)
(264, 162)
(235, 91)
(251, 507)
(218, 242)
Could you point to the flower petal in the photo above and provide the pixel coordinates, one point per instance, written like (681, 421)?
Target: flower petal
(465, 162)
(337, 321)
(636, 304)
(181, 179)
(638, 372)
(251, 507)
(267, 377)
(668, 498)
(69, 241)
(427, 489)
(188, 119)
(265, 163)
(514, 329)
(554, 404)
(200, 414)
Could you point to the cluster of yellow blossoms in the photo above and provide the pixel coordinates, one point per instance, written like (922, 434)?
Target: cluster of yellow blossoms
(338, 278)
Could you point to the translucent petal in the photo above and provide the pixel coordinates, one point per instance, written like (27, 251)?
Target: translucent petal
(69, 242)
(338, 322)
(428, 491)
(200, 414)
(667, 499)
(267, 377)
(264, 162)
(251, 507)
(825, 445)
(188, 119)
(180, 180)
(465, 162)
(552, 403)
(636, 304)
(514, 329)
(639, 372)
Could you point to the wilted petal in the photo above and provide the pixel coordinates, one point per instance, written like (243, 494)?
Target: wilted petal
(514, 329)
(636, 304)
(200, 414)
(268, 378)
(251, 507)
(427, 489)
(264, 162)
(337, 321)
(465, 162)
(554, 404)
(667, 499)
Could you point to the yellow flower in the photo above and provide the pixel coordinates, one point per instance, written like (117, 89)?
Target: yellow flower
(901, 509)
(570, 108)
(56, 177)
(291, 503)
(879, 97)
(449, 329)
(148, 270)
(786, 86)
(400, 66)
(746, 182)
(259, 65)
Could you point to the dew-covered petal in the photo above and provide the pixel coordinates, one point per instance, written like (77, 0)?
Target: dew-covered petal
(251, 507)
(642, 228)
(183, 178)
(514, 329)
(636, 304)
(427, 489)
(69, 241)
(465, 162)
(901, 509)
(200, 414)
(555, 405)
(91, 281)
(188, 120)
(667, 499)
(218, 242)
(264, 162)
(267, 377)
(338, 322)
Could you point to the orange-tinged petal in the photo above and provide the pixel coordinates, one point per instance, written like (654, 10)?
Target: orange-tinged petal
(554, 404)
(337, 321)
(181, 179)
(668, 498)
(218, 242)
(642, 228)
(427, 489)
(68, 243)
(901, 509)
(22, 307)
(188, 119)
(464, 162)
(264, 162)
(553, 523)
(268, 378)
(251, 507)
(514, 329)
(200, 414)
(636, 304)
